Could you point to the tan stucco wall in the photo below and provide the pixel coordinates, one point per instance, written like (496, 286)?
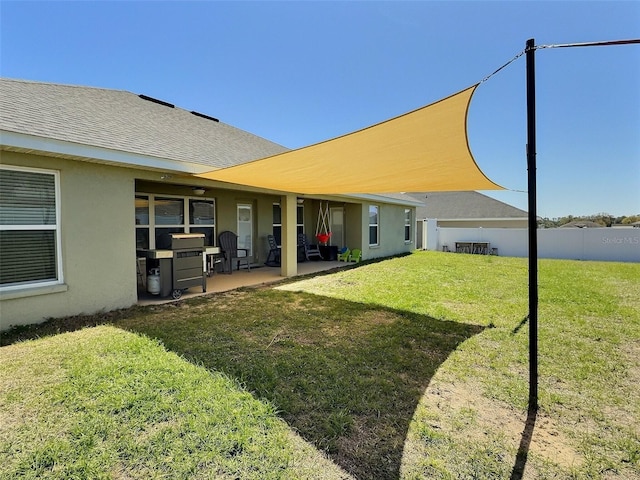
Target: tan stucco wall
(353, 226)
(97, 256)
(262, 209)
(391, 225)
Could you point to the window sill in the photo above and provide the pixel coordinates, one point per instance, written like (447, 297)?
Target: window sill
(33, 291)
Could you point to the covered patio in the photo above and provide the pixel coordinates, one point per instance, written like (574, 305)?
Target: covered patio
(258, 275)
(428, 149)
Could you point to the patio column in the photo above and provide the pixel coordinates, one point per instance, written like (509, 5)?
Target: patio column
(289, 253)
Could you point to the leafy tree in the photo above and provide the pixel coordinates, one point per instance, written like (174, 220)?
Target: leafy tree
(630, 219)
(603, 218)
(547, 223)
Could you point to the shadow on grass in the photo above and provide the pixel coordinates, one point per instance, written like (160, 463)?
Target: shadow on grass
(523, 450)
(346, 376)
(522, 323)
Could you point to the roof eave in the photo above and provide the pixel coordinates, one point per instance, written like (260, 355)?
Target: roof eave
(384, 199)
(484, 219)
(47, 146)
(21, 142)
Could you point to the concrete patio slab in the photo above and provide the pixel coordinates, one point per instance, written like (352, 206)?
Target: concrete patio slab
(258, 275)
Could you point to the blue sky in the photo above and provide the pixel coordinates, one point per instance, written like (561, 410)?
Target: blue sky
(301, 72)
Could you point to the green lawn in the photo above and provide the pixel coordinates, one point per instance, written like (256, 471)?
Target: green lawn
(413, 367)
(102, 403)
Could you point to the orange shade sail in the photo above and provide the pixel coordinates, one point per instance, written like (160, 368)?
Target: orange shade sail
(424, 150)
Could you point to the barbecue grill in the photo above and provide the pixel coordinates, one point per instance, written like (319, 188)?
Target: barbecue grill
(180, 267)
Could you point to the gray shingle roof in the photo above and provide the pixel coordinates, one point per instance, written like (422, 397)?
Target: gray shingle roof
(122, 121)
(464, 205)
(581, 224)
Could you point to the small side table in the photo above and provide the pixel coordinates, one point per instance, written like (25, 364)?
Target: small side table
(212, 256)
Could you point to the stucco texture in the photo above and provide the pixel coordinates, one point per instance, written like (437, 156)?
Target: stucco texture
(98, 255)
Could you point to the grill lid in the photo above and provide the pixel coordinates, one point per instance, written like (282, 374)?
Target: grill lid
(181, 241)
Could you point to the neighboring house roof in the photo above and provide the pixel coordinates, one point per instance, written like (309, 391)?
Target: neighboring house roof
(126, 122)
(581, 224)
(464, 206)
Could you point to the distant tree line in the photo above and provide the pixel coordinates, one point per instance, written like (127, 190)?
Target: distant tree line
(603, 219)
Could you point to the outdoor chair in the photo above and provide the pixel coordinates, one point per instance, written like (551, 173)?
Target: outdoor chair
(356, 255)
(343, 255)
(310, 251)
(229, 246)
(479, 249)
(273, 257)
(463, 247)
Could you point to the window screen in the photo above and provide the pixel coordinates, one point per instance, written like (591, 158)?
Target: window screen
(28, 227)
(374, 225)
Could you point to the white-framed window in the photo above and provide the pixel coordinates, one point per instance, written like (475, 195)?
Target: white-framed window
(374, 225)
(143, 217)
(157, 216)
(202, 219)
(168, 216)
(30, 251)
(277, 221)
(299, 219)
(407, 225)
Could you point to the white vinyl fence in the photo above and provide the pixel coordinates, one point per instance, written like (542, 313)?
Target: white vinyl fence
(604, 244)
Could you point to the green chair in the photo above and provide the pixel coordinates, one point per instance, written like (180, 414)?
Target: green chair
(356, 255)
(343, 255)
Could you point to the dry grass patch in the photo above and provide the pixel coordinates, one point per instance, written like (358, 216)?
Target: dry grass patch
(461, 412)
